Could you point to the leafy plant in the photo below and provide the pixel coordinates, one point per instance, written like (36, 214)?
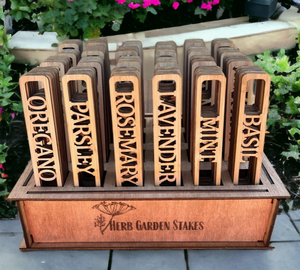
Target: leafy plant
(3, 155)
(87, 19)
(285, 99)
(21, 9)
(9, 99)
(83, 19)
(284, 110)
(10, 126)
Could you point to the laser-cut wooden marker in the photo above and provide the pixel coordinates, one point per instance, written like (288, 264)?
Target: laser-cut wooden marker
(249, 123)
(41, 99)
(83, 127)
(126, 102)
(208, 123)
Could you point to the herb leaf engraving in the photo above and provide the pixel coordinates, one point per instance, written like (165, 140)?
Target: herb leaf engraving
(112, 209)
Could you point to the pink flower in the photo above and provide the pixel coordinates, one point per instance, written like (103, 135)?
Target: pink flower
(175, 5)
(155, 2)
(206, 6)
(148, 3)
(133, 6)
(121, 1)
(189, 1)
(13, 115)
(215, 2)
(1, 166)
(3, 175)
(70, 0)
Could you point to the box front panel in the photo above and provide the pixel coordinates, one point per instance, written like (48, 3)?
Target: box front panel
(148, 221)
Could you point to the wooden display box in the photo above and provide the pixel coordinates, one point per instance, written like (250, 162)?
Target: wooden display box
(149, 217)
(150, 193)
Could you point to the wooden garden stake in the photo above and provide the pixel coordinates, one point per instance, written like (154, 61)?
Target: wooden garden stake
(167, 94)
(63, 63)
(220, 43)
(125, 94)
(187, 44)
(207, 90)
(192, 51)
(126, 51)
(249, 123)
(224, 51)
(41, 99)
(208, 205)
(166, 90)
(231, 62)
(132, 50)
(76, 44)
(83, 127)
(103, 100)
(208, 124)
(73, 54)
(99, 48)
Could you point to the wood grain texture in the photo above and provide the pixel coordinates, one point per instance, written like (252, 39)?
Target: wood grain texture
(28, 241)
(76, 44)
(148, 221)
(270, 187)
(102, 99)
(73, 54)
(126, 109)
(208, 123)
(230, 63)
(271, 222)
(249, 123)
(99, 48)
(63, 63)
(220, 43)
(185, 76)
(146, 245)
(167, 96)
(127, 205)
(192, 51)
(42, 102)
(83, 126)
(207, 95)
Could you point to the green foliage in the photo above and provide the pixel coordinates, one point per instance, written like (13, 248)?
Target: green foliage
(285, 102)
(10, 105)
(199, 11)
(20, 9)
(3, 41)
(86, 19)
(83, 19)
(284, 112)
(10, 101)
(26, 9)
(3, 153)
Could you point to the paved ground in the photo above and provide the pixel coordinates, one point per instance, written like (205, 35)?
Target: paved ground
(285, 239)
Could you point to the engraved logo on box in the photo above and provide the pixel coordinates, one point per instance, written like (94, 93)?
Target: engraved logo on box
(113, 209)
